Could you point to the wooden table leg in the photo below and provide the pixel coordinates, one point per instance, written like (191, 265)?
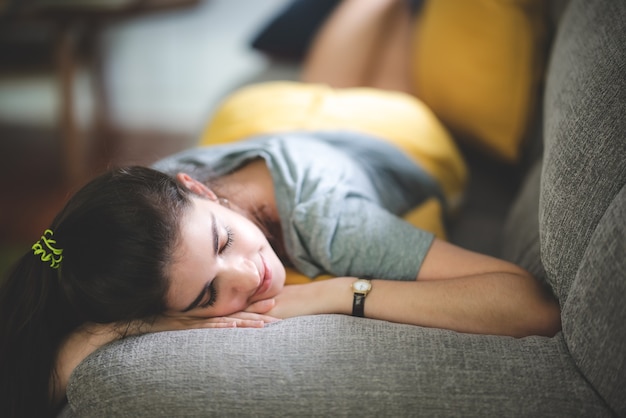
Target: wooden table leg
(105, 141)
(72, 144)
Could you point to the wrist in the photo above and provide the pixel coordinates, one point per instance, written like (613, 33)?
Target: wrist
(340, 294)
(360, 289)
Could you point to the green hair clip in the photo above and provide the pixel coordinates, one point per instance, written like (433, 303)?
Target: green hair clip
(45, 248)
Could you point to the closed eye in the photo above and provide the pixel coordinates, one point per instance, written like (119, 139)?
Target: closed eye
(212, 290)
(212, 296)
(229, 240)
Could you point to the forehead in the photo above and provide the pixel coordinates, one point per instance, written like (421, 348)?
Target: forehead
(195, 226)
(193, 258)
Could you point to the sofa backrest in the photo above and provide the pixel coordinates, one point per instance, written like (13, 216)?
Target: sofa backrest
(582, 208)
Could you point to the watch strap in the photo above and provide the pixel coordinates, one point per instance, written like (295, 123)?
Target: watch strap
(358, 305)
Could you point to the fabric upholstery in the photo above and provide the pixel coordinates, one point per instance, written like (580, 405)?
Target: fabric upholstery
(583, 206)
(594, 315)
(566, 226)
(520, 241)
(479, 64)
(332, 365)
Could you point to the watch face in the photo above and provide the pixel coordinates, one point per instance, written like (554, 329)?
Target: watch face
(361, 286)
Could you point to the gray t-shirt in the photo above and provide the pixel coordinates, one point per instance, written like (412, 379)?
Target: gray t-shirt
(339, 196)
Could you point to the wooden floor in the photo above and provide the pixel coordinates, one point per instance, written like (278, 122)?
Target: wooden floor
(32, 182)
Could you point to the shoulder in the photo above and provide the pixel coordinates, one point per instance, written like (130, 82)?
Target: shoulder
(213, 160)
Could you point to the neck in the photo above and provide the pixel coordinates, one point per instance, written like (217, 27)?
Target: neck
(250, 191)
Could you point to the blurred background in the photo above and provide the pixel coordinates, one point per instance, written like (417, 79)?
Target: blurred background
(90, 84)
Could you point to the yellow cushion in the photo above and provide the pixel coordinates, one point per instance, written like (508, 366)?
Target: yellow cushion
(399, 118)
(478, 65)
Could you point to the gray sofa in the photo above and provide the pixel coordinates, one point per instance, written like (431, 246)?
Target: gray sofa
(566, 223)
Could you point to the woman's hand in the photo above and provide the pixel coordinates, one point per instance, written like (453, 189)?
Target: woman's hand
(253, 317)
(177, 323)
(89, 337)
(474, 294)
(322, 297)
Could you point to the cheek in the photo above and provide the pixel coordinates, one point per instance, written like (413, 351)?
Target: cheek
(228, 307)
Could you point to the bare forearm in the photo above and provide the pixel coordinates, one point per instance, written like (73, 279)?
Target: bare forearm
(488, 303)
(455, 289)
(75, 349)
(87, 339)
(493, 303)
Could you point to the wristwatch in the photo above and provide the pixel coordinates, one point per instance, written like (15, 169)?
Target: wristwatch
(360, 288)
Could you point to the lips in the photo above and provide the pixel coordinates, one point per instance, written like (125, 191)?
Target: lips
(266, 277)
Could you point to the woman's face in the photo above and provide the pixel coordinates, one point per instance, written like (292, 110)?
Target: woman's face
(222, 263)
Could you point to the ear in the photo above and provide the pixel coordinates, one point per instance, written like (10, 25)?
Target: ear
(195, 186)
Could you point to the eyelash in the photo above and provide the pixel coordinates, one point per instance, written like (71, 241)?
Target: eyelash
(212, 296)
(212, 288)
(229, 239)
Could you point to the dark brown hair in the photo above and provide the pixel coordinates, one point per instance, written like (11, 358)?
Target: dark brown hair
(117, 234)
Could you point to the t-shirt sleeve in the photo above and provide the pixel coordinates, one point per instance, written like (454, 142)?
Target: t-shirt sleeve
(356, 238)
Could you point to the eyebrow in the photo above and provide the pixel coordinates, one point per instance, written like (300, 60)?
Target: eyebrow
(207, 286)
(216, 238)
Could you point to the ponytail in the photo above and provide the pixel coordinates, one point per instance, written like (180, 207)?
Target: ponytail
(34, 318)
(116, 236)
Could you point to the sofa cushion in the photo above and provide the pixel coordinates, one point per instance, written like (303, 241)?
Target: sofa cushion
(520, 243)
(331, 366)
(594, 316)
(398, 118)
(582, 212)
(479, 65)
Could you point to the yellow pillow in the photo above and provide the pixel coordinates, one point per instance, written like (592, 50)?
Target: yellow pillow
(399, 118)
(478, 65)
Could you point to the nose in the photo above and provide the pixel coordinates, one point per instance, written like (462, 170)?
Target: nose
(242, 275)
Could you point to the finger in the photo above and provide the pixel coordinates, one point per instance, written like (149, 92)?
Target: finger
(254, 316)
(241, 320)
(249, 323)
(269, 319)
(262, 306)
(230, 324)
(218, 319)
